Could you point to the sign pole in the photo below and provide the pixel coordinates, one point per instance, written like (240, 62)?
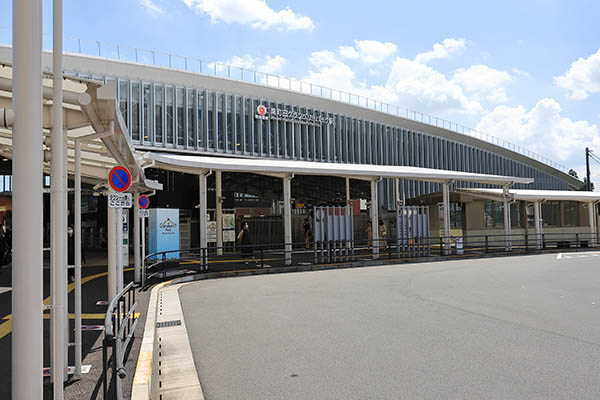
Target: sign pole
(112, 251)
(136, 239)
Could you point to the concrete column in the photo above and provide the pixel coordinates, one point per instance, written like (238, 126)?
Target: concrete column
(506, 212)
(537, 208)
(446, 210)
(113, 254)
(219, 211)
(202, 211)
(592, 218)
(137, 262)
(287, 218)
(27, 327)
(375, 217)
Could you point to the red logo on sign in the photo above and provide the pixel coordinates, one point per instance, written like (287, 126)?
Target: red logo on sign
(261, 110)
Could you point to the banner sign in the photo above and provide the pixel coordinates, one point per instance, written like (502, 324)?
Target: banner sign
(163, 231)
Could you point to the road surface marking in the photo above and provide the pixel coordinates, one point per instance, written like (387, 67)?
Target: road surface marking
(6, 327)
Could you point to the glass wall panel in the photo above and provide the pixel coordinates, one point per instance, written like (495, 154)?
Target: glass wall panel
(265, 135)
(170, 114)
(281, 143)
(147, 97)
(220, 128)
(201, 121)
(158, 113)
(124, 100)
(238, 126)
(493, 214)
(180, 116)
(570, 213)
(551, 213)
(210, 106)
(249, 117)
(135, 111)
(311, 137)
(230, 139)
(191, 122)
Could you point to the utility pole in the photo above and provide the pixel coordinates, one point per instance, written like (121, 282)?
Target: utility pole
(587, 169)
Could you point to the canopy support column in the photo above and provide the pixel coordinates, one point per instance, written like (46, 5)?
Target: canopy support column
(27, 327)
(507, 228)
(537, 214)
(202, 214)
(375, 217)
(219, 211)
(348, 191)
(287, 218)
(446, 210)
(592, 218)
(137, 269)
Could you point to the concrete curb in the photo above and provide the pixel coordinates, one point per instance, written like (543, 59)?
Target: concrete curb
(146, 368)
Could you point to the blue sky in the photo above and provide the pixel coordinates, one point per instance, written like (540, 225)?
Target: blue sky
(524, 71)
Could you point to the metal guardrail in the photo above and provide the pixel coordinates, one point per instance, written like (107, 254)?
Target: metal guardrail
(119, 328)
(222, 70)
(172, 263)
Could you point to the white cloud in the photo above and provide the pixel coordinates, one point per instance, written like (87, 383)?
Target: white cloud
(422, 88)
(348, 52)
(521, 73)
(370, 51)
(483, 82)
(151, 7)
(373, 51)
(446, 49)
(583, 78)
(542, 129)
(410, 84)
(268, 65)
(255, 13)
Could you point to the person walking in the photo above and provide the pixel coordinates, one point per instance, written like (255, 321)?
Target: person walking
(382, 235)
(246, 243)
(369, 231)
(307, 233)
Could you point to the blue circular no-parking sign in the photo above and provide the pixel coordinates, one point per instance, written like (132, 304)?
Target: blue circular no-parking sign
(119, 178)
(143, 201)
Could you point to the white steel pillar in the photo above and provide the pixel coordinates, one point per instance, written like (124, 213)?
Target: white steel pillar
(446, 210)
(58, 217)
(507, 228)
(219, 211)
(537, 214)
(202, 213)
(592, 219)
(375, 217)
(77, 242)
(113, 253)
(287, 218)
(27, 327)
(137, 269)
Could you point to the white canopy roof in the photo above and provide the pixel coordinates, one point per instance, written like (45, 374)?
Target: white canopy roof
(197, 164)
(538, 195)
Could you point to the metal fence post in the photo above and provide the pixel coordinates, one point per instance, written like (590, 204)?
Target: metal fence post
(486, 243)
(441, 246)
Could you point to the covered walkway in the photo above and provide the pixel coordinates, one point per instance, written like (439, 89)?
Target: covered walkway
(286, 169)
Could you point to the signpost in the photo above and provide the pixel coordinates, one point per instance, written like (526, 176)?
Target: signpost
(143, 201)
(119, 179)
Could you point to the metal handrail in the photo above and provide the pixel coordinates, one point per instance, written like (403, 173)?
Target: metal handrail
(226, 71)
(108, 326)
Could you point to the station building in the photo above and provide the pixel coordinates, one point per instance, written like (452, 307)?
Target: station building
(231, 113)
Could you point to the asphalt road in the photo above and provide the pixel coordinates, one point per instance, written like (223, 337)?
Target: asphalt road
(504, 328)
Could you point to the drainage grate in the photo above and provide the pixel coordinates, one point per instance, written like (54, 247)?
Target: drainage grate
(166, 324)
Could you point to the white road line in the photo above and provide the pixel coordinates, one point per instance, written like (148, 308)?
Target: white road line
(5, 289)
(559, 256)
